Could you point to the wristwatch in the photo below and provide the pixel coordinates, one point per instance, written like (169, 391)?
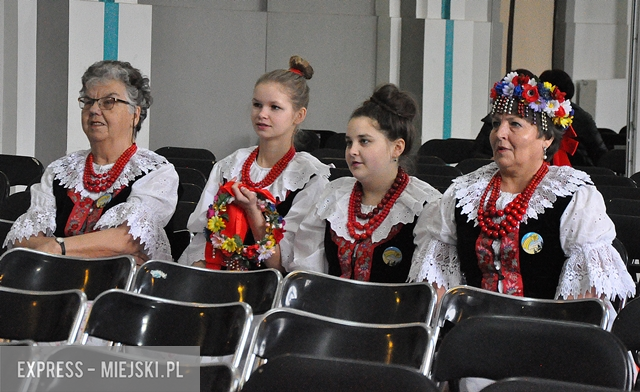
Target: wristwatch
(60, 242)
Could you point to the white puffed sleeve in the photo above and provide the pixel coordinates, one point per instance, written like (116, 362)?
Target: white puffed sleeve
(586, 234)
(147, 211)
(436, 258)
(304, 202)
(308, 249)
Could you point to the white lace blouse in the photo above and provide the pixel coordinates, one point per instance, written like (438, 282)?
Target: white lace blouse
(333, 206)
(147, 210)
(305, 173)
(586, 233)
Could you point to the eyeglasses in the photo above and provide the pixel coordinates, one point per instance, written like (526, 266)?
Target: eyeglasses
(104, 103)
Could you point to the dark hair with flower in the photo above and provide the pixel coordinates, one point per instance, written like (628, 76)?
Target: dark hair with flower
(237, 255)
(542, 103)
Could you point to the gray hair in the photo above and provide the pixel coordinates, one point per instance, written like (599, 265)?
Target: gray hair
(137, 85)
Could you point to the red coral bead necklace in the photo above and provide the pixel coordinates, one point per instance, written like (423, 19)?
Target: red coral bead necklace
(275, 171)
(379, 213)
(514, 210)
(94, 182)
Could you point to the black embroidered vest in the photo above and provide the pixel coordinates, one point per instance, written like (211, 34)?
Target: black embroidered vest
(540, 271)
(64, 205)
(380, 271)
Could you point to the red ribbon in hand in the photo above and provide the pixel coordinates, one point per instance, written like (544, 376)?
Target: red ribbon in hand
(237, 224)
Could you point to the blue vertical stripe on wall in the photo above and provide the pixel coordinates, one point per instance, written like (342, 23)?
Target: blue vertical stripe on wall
(111, 17)
(448, 70)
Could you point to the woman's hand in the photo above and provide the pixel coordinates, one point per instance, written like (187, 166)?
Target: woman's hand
(244, 198)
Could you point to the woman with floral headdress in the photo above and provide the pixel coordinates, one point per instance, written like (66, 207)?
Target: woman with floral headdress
(518, 225)
(368, 227)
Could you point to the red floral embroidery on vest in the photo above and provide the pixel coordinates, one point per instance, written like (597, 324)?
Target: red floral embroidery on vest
(84, 214)
(355, 257)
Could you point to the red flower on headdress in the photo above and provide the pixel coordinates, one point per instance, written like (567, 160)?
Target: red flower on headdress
(494, 93)
(530, 93)
(521, 79)
(557, 94)
(560, 112)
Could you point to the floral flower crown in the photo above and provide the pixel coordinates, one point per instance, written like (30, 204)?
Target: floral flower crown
(239, 256)
(531, 96)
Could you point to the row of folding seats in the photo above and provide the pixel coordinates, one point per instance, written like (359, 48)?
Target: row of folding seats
(160, 284)
(397, 341)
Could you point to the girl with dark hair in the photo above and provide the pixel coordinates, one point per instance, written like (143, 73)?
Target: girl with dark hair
(367, 227)
(256, 197)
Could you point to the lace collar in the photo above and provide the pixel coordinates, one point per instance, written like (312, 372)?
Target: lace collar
(560, 181)
(334, 206)
(70, 169)
(296, 175)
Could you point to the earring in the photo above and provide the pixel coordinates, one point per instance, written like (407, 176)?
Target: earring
(544, 149)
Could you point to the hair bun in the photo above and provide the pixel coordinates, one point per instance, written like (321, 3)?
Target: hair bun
(395, 101)
(302, 65)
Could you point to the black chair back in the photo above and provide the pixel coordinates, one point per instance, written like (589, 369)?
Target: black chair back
(186, 152)
(41, 316)
(530, 384)
(441, 183)
(623, 207)
(28, 269)
(499, 347)
(471, 164)
(260, 289)
(15, 205)
(141, 320)
(5, 227)
(625, 327)
(596, 170)
(615, 160)
(365, 302)
(114, 364)
(328, 153)
(463, 302)
(335, 161)
(290, 331)
(190, 175)
(607, 179)
(336, 141)
(451, 150)
(440, 170)
(338, 172)
(189, 192)
(297, 373)
(429, 159)
(20, 169)
(5, 187)
(619, 192)
(204, 166)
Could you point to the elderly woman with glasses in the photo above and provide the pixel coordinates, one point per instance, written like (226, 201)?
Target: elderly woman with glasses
(113, 199)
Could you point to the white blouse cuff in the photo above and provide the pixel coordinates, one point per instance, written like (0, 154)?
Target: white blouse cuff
(436, 263)
(596, 266)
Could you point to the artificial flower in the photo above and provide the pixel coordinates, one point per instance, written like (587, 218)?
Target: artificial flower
(237, 254)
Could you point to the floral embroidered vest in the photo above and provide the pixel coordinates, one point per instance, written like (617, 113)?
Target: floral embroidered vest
(381, 271)
(540, 271)
(65, 205)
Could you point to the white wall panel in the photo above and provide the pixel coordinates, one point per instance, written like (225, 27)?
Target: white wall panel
(342, 51)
